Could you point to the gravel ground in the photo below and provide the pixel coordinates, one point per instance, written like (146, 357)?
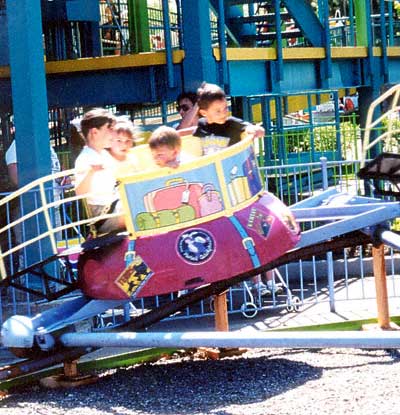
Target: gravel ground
(259, 382)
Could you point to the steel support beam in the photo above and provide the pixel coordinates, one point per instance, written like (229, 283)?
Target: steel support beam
(300, 339)
(28, 83)
(199, 64)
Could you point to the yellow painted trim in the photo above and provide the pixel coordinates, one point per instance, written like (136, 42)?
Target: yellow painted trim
(233, 54)
(223, 185)
(112, 62)
(68, 243)
(245, 54)
(303, 53)
(377, 51)
(128, 218)
(349, 52)
(393, 51)
(307, 53)
(105, 63)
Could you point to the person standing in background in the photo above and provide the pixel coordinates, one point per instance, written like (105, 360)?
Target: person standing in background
(187, 109)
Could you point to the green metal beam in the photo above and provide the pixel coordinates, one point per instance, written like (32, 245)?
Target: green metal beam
(362, 21)
(139, 28)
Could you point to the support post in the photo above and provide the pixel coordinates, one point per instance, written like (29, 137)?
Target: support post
(70, 377)
(71, 369)
(221, 312)
(29, 94)
(331, 281)
(378, 255)
(221, 324)
(139, 30)
(197, 43)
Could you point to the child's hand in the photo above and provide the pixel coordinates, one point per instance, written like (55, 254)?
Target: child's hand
(255, 130)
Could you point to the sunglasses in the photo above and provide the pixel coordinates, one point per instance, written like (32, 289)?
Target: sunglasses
(183, 107)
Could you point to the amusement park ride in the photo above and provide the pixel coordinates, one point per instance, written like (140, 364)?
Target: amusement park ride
(203, 227)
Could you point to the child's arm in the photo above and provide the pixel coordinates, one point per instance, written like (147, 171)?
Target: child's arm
(191, 118)
(84, 185)
(254, 130)
(186, 131)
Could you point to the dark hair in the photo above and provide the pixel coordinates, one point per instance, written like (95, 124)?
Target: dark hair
(190, 95)
(164, 136)
(96, 118)
(208, 93)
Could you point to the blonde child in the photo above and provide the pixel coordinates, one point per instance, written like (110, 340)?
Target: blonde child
(122, 142)
(165, 146)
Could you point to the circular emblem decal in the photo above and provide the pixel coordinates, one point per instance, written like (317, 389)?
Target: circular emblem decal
(196, 245)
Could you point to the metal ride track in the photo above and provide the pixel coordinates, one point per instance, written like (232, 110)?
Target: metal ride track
(69, 281)
(62, 354)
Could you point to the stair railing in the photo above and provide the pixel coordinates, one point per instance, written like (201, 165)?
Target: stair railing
(392, 113)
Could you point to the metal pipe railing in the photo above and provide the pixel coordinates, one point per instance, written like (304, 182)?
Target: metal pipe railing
(300, 339)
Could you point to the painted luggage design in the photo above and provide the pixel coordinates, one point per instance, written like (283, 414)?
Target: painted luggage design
(165, 217)
(177, 192)
(239, 190)
(250, 170)
(210, 201)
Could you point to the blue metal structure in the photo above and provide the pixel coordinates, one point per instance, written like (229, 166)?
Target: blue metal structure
(201, 40)
(29, 91)
(63, 20)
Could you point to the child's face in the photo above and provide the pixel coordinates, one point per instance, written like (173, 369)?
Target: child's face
(164, 155)
(101, 137)
(120, 145)
(216, 113)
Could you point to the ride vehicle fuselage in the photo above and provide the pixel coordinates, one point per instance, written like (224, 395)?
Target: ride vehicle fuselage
(208, 220)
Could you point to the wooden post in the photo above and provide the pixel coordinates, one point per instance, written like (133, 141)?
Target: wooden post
(221, 312)
(378, 256)
(70, 378)
(221, 324)
(71, 369)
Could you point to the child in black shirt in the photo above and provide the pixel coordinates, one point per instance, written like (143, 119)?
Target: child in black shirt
(217, 129)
